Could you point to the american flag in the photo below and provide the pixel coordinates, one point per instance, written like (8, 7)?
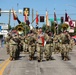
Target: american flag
(70, 22)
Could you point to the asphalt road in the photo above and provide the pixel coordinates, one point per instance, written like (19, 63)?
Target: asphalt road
(25, 67)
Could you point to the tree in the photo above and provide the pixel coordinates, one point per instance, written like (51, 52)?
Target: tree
(59, 28)
(53, 27)
(44, 28)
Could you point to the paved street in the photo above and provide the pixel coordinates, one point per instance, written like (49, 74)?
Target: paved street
(25, 67)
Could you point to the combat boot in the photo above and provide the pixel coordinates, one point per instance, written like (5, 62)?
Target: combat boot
(39, 59)
(11, 58)
(47, 59)
(30, 58)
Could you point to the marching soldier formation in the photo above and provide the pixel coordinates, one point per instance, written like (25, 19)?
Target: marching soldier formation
(39, 43)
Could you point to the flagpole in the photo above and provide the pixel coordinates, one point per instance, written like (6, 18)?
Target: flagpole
(37, 19)
(9, 18)
(54, 22)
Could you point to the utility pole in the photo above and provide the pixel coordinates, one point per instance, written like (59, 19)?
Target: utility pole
(9, 19)
(17, 7)
(32, 15)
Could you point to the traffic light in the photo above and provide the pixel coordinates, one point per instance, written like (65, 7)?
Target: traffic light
(62, 19)
(0, 11)
(26, 11)
(41, 18)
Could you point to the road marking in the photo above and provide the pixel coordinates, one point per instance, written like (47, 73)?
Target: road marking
(3, 62)
(4, 65)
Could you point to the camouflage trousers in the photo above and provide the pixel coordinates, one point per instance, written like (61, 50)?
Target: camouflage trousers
(7, 47)
(31, 51)
(56, 47)
(71, 46)
(24, 46)
(40, 50)
(13, 49)
(48, 51)
(65, 51)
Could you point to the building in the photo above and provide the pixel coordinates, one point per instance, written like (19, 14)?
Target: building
(3, 30)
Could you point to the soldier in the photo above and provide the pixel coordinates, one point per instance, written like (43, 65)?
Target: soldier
(56, 43)
(31, 43)
(13, 48)
(72, 43)
(7, 40)
(40, 45)
(18, 41)
(23, 43)
(65, 38)
(48, 45)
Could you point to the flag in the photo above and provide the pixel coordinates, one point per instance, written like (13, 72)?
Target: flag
(14, 15)
(25, 16)
(37, 19)
(62, 19)
(66, 17)
(55, 19)
(18, 20)
(42, 39)
(70, 22)
(47, 20)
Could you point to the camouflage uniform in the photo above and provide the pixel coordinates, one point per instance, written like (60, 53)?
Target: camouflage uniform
(13, 48)
(48, 49)
(7, 39)
(26, 44)
(65, 46)
(23, 43)
(18, 41)
(32, 40)
(56, 44)
(40, 46)
(72, 43)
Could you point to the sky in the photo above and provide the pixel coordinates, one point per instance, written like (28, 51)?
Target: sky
(38, 5)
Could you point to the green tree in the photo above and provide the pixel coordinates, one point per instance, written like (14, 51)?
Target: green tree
(44, 27)
(59, 28)
(9, 27)
(53, 27)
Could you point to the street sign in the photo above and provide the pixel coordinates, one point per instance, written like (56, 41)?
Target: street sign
(4, 26)
(52, 19)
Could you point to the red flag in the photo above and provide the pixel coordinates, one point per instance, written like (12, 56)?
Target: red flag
(42, 38)
(14, 15)
(70, 22)
(37, 19)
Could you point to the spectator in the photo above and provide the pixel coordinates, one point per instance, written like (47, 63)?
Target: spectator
(2, 42)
